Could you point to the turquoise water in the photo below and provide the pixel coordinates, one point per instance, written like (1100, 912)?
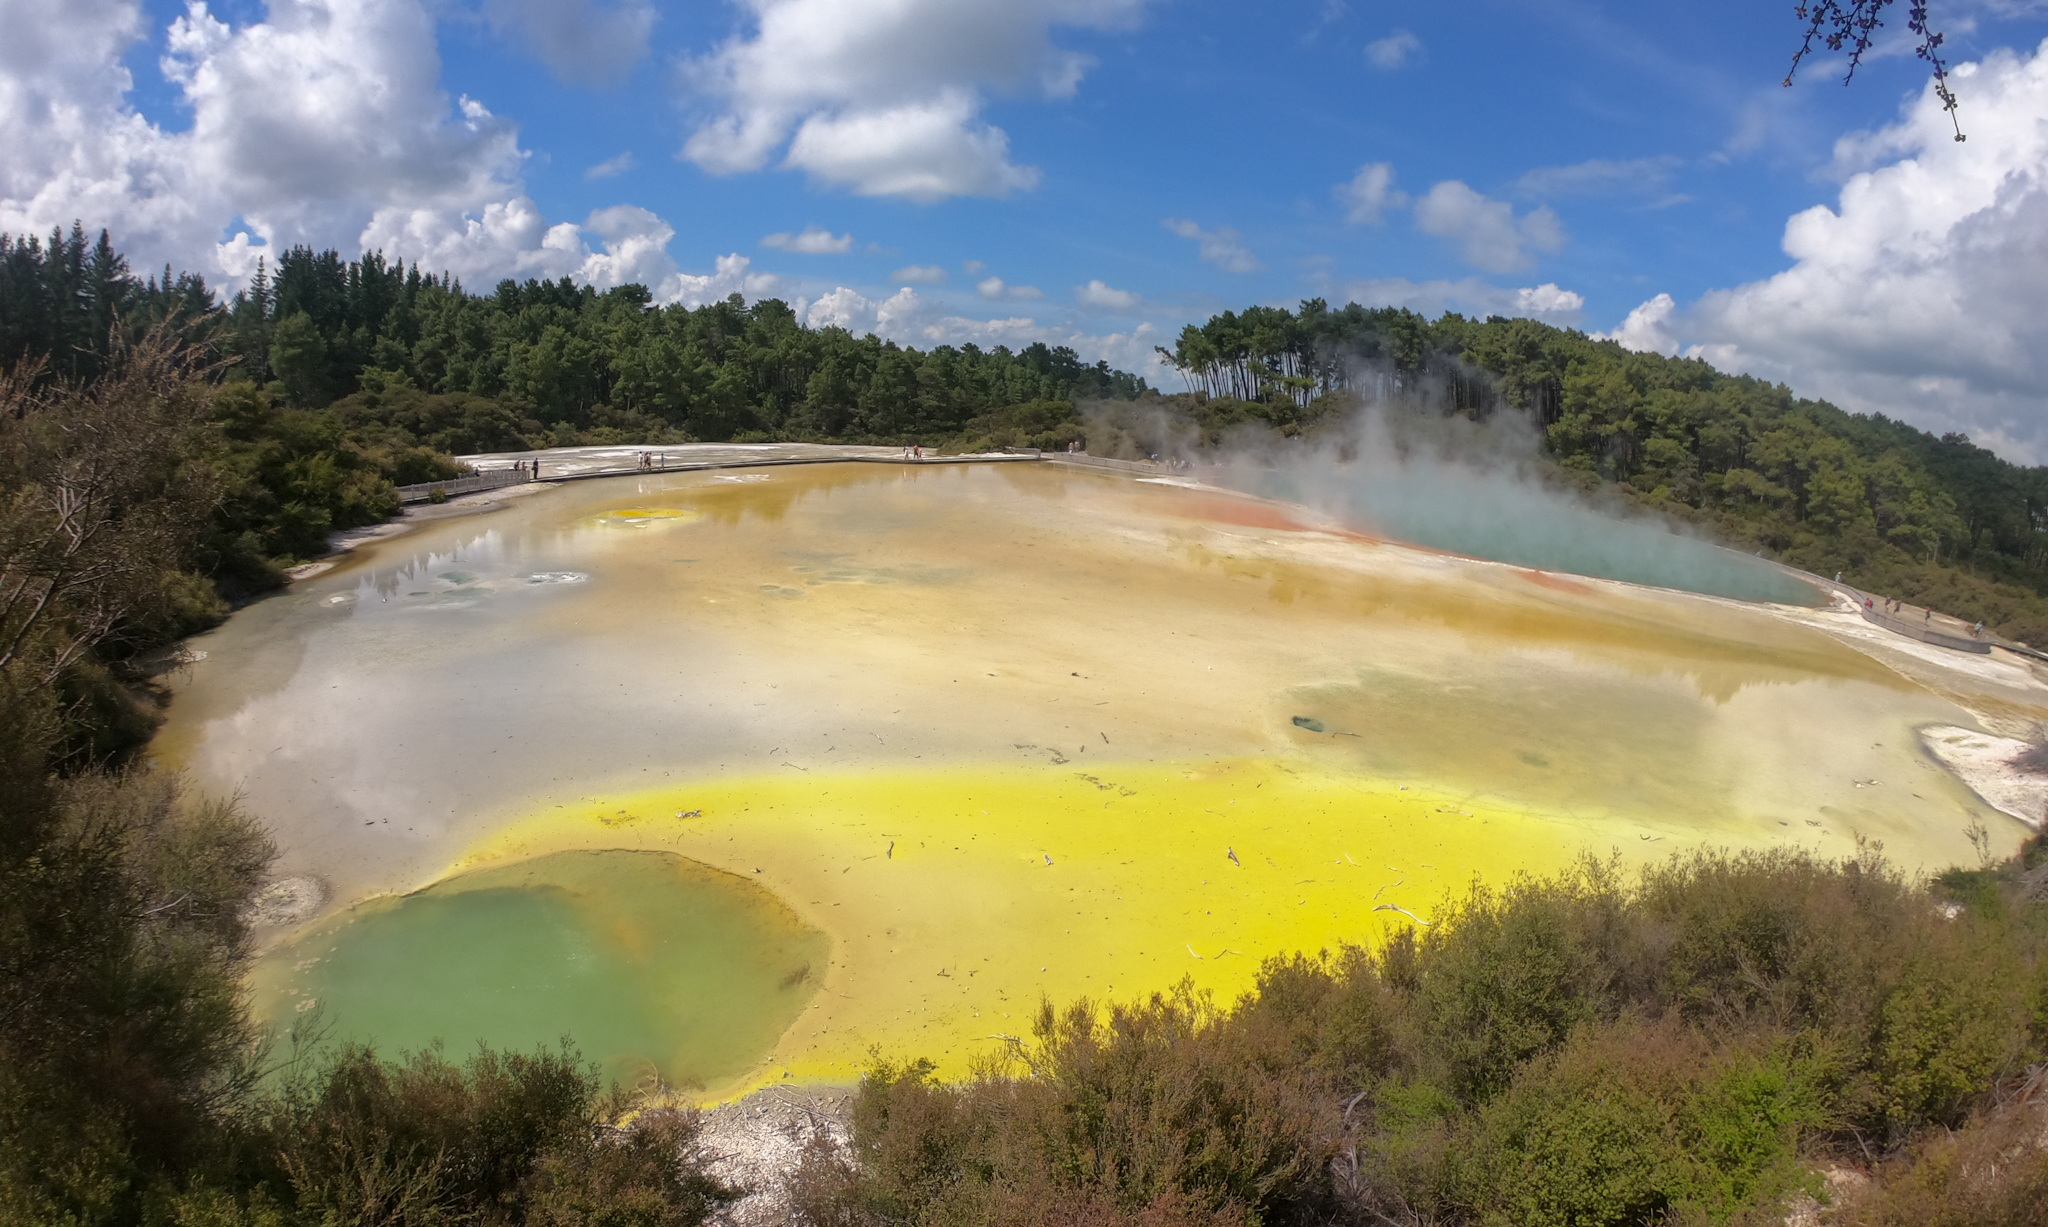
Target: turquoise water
(1504, 518)
(651, 962)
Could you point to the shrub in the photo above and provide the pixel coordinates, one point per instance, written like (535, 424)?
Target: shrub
(1577, 1050)
(1991, 1173)
(1504, 975)
(505, 1137)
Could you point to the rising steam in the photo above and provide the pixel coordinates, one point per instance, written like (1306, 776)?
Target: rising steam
(1397, 467)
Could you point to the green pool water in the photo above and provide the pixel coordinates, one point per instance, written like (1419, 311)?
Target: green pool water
(648, 962)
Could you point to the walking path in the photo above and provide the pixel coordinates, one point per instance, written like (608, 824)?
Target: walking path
(1922, 623)
(571, 463)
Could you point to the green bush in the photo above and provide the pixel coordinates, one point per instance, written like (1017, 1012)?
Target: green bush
(1685, 1046)
(502, 1138)
(1634, 1123)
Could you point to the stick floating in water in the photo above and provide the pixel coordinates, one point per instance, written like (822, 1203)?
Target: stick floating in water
(1191, 950)
(1232, 854)
(1395, 907)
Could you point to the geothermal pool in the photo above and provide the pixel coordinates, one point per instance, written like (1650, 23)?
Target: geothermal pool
(732, 776)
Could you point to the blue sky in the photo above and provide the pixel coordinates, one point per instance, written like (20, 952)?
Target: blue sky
(1568, 159)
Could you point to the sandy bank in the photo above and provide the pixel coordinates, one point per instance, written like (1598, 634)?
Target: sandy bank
(758, 1142)
(1990, 766)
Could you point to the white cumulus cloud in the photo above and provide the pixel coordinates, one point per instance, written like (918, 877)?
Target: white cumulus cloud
(635, 250)
(1923, 293)
(1488, 234)
(996, 287)
(1098, 294)
(1470, 296)
(813, 241)
(884, 97)
(1647, 330)
(1370, 193)
(324, 123)
(730, 275)
(909, 320)
(924, 151)
(931, 274)
(860, 315)
(1219, 247)
(611, 168)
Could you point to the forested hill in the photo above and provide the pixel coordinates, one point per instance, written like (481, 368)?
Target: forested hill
(342, 378)
(560, 363)
(1934, 520)
(348, 375)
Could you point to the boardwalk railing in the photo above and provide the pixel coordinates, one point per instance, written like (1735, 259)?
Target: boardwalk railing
(1925, 633)
(1104, 462)
(1921, 628)
(490, 479)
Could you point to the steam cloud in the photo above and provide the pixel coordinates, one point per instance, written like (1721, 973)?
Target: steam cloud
(1398, 468)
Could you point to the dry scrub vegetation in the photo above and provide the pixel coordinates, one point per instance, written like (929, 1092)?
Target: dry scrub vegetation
(134, 1089)
(1697, 1044)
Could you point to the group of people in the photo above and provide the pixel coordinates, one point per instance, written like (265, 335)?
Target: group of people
(1897, 608)
(913, 451)
(652, 460)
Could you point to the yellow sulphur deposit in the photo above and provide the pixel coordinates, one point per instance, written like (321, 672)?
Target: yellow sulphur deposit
(956, 899)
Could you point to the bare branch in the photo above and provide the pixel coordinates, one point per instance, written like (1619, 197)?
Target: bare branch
(1853, 25)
